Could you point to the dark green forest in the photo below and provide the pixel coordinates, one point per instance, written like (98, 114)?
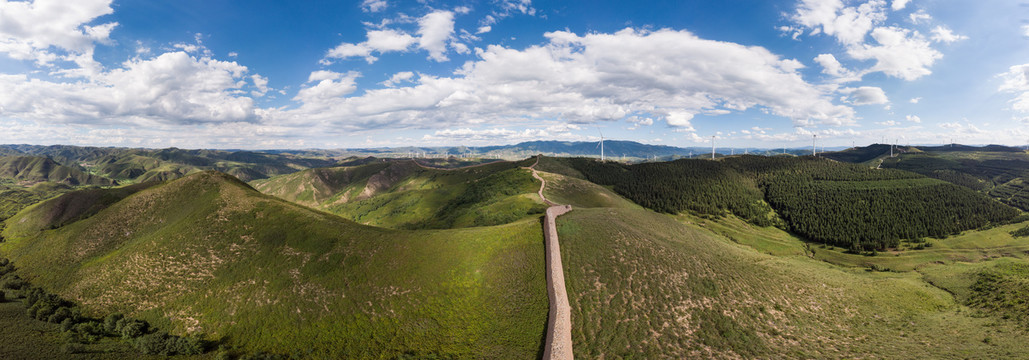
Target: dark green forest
(822, 200)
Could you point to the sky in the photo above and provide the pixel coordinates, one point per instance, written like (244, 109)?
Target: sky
(264, 74)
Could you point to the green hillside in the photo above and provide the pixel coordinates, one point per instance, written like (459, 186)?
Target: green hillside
(208, 254)
(648, 285)
(999, 172)
(14, 198)
(34, 169)
(402, 194)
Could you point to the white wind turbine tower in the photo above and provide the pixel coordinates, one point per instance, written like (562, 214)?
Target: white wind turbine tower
(712, 147)
(814, 150)
(601, 144)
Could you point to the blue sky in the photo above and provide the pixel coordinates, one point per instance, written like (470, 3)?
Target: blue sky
(329, 74)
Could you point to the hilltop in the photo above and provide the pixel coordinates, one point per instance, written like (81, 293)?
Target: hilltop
(30, 170)
(405, 194)
(208, 254)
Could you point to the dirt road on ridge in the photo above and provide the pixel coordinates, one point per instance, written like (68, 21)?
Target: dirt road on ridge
(559, 328)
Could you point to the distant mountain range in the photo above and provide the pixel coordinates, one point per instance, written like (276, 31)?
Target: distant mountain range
(613, 149)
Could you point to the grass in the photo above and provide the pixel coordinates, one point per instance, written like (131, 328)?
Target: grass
(647, 285)
(26, 338)
(400, 194)
(207, 254)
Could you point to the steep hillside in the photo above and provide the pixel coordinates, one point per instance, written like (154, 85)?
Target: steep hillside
(14, 198)
(208, 254)
(33, 169)
(404, 194)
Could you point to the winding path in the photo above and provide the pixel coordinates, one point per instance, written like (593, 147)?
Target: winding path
(559, 327)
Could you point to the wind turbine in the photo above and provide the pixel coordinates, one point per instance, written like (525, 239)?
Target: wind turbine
(712, 147)
(814, 150)
(601, 144)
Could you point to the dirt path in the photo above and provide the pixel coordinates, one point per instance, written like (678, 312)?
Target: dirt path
(559, 327)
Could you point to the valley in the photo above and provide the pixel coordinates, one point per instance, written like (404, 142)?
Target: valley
(741, 257)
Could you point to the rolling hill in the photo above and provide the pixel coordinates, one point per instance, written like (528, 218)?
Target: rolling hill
(404, 194)
(33, 169)
(208, 254)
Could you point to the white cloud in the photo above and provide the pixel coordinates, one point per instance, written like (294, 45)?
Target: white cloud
(47, 30)
(171, 88)
(462, 10)
(915, 100)
(434, 30)
(329, 85)
(913, 118)
(373, 5)
(484, 29)
(1016, 80)
(379, 41)
(590, 78)
(866, 95)
(848, 24)
(898, 5)
(919, 16)
(888, 123)
(680, 119)
(398, 78)
(231, 54)
(1025, 30)
(945, 35)
(900, 53)
(261, 85)
(832, 67)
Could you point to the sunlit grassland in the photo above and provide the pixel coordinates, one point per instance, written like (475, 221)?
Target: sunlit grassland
(207, 254)
(649, 285)
(401, 195)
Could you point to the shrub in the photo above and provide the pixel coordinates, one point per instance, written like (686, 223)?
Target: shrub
(132, 328)
(62, 313)
(153, 344)
(3, 296)
(111, 323)
(90, 332)
(67, 325)
(73, 348)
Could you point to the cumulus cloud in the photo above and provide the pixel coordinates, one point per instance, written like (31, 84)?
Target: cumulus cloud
(171, 88)
(1016, 80)
(913, 118)
(945, 35)
(915, 100)
(484, 29)
(379, 41)
(398, 78)
(1025, 30)
(373, 5)
(47, 30)
(832, 67)
(435, 30)
(888, 123)
(664, 74)
(865, 95)
(472, 136)
(848, 24)
(898, 5)
(897, 51)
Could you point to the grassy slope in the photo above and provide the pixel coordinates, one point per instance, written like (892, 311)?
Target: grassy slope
(33, 169)
(209, 254)
(648, 285)
(400, 194)
(25, 338)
